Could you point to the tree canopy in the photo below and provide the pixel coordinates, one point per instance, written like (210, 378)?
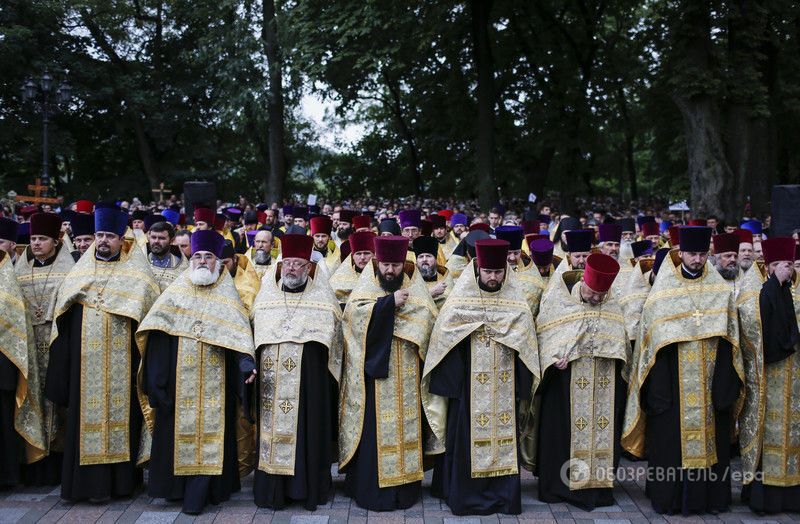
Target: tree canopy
(482, 99)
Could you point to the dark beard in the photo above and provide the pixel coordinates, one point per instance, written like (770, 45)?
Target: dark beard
(390, 286)
(729, 273)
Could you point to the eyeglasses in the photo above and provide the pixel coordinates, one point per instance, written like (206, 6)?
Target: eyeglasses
(295, 265)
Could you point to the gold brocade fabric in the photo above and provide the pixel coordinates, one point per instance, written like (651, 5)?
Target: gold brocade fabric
(500, 325)
(334, 258)
(634, 292)
(532, 283)
(397, 396)
(247, 281)
(442, 275)
(456, 265)
(344, 280)
(39, 287)
(283, 323)
(450, 244)
(693, 314)
(592, 338)
(208, 320)
(167, 275)
(17, 345)
(752, 416)
(113, 295)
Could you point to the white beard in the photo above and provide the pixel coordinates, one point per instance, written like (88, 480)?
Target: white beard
(625, 250)
(202, 276)
(293, 282)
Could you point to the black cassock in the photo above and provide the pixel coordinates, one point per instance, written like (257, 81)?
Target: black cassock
(9, 439)
(62, 387)
(452, 474)
(196, 491)
(553, 444)
(311, 482)
(361, 482)
(694, 490)
(779, 326)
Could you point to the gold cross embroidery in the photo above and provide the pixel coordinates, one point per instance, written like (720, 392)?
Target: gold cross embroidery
(483, 337)
(697, 316)
(411, 370)
(504, 375)
(505, 417)
(95, 345)
(482, 419)
(482, 377)
(602, 422)
(286, 406)
(269, 362)
(582, 382)
(581, 423)
(187, 402)
(604, 381)
(289, 365)
(93, 402)
(189, 359)
(43, 347)
(117, 400)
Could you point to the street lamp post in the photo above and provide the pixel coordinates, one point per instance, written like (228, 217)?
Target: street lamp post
(48, 99)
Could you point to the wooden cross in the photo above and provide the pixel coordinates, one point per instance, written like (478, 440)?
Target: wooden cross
(161, 189)
(697, 316)
(37, 197)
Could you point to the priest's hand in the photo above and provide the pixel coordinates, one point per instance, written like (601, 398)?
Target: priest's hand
(562, 363)
(400, 297)
(251, 378)
(438, 289)
(783, 271)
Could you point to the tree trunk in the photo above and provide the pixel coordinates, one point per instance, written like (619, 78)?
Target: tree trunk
(484, 136)
(143, 147)
(707, 164)
(277, 154)
(396, 108)
(630, 165)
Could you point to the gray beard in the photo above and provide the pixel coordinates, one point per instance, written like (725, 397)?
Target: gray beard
(745, 264)
(428, 272)
(262, 257)
(203, 276)
(729, 273)
(293, 282)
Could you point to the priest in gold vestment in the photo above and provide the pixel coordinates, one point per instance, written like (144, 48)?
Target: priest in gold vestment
(386, 325)
(362, 249)
(198, 352)
(94, 361)
(436, 276)
(687, 382)
(482, 360)
(40, 271)
(584, 353)
(520, 263)
(298, 337)
(769, 309)
(22, 426)
(167, 260)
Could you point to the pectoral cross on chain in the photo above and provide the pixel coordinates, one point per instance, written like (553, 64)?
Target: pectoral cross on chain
(697, 315)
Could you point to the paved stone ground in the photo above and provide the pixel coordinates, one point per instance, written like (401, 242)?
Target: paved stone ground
(44, 505)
